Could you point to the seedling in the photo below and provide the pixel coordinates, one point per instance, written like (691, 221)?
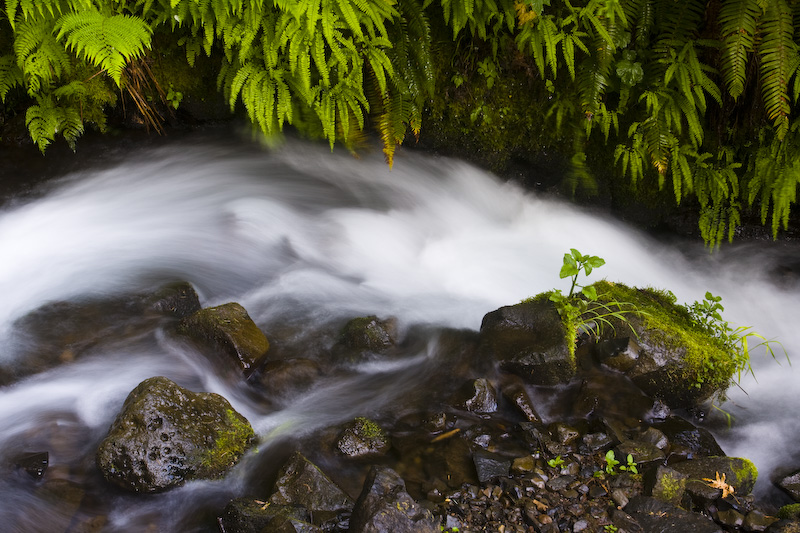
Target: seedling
(556, 463)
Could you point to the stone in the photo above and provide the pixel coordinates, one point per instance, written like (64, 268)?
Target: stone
(656, 516)
(300, 482)
(165, 435)
(286, 378)
(784, 526)
(490, 465)
(790, 484)
(619, 354)
(228, 329)
(529, 339)
(687, 439)
(481, 397)
(739, 473)
(516, 394)
(34, 463)
(384, 506)
(665, 484)
(246, 515)
(363, 437)
(758, 521)
(643, 453)
(177, 300)
(365, 336)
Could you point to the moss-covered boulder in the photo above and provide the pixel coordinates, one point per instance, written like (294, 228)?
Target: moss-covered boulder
(364, 336)
(530, 340)
(178, 299)
(665, 354)
(229, 331)
(707, 475)
(363, 437)
(166, 435)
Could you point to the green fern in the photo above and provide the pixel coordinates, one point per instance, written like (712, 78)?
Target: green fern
(779, 62)
(46, 119)
(739, 21)
(108, 42)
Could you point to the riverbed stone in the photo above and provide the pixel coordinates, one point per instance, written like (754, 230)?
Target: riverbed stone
(790, 484)
(529, 339)
(228, 329)
(739, 473)
(165, 435)
(516, 394)
(687, 440)
(384, 506)
(301, 483)
(249, 515)
(363, 437)
(364, 336)
(480, 396)
(178, 300)
(284, 379)
(665, 484)
(656, 516)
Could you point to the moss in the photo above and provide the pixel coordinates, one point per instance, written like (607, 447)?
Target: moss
(369, 429)
(748, 471)
(789, 512)
(672, 487)
(708, 363)
(230, 443)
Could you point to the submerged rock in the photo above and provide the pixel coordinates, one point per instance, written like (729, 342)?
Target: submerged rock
(363, 336)
(363, 437)
(529, 339)
(384, 506)
(656, 516)
(286, 378)
(228, 329)
(166, 435)
(177, 300)
(790, 484)
(246, 515)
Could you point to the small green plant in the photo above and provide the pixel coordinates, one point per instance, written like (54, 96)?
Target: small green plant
(708, 316)
(489, 71)
(610, 528)
(556, 463)
(612, 463)
(582, 308)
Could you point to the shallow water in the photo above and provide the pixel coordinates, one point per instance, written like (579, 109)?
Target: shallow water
(305, 239)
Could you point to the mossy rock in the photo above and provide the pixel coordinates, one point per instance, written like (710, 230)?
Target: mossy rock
(530, 340)
(676, 361)
(365, 336)
(363, 437)
(166, 435)
(739, 473)
(229, 330)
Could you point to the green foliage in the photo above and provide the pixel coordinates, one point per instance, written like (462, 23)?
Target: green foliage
(612, 464)
(708, 315)
(555, 462)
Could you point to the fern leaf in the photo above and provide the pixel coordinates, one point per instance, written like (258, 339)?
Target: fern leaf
(738, 26)
(10, 75)
(778, 54)
(107, 42)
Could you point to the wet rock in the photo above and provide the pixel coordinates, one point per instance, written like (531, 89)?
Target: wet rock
(665, 484)
(230, 330)
(246, 515)
(364, 336)
(619, 354)
(286, 524)
(302, 483)
(643, 453)
(564, 434)
(363, 437)
(166, 435)
(596, 442)
(286, 378)
(758, 521)
(688, 440)
(789, 512)
(739, 473)
(490, 465)
(656, 516)
(480, 397)
(34, 464)
(177, 300)
(516, 395)
(655, 437)
(384, 506)
(790, 484)
(529, 339)
(784, 526)
(729, 518)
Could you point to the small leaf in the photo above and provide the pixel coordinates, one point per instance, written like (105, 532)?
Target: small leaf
(590, 292)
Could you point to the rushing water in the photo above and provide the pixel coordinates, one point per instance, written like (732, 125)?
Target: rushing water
(304, 238)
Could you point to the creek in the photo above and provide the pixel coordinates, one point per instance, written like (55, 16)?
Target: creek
(305, 239)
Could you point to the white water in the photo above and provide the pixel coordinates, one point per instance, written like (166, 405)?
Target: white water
(304, 234)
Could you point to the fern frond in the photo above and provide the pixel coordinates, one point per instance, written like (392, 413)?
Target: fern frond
(738, 21)
(39, 55)
(10, 75)
(108, 42)
(45, 120)
(778, 53)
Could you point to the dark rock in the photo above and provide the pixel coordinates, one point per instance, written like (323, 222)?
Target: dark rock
(620, 354)
(564, 434)
(165, 435)
(366, 335)
(177, 300)
(228, 329)
(665, 484)
(481, 397)
(655, 437)
(286, 524)
(758, 521)
(790, 484)
(596, 442)
(300, 482)
(516, 394)
(34, 463)
(789, 512)
(286, 378)
(363, 437)
(643, 453)
(656, 516)
(741, 474)
(729, 518)
(384, 506)
(688, 440)
(529, 340)
(245, 515)
(490, 465)
(784, 526)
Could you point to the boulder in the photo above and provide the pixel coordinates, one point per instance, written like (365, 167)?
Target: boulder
(738, 473)
(490, 465)
(665, 484)
(477, 396)
(229, 330)
(247, 515)
(166, 435)
(384, 506)
(656, 516)
(363, 437)
(516, 394)
(790, 484)
(529, 339)
(301, 483)
(177, 300)
(365, 336)
(686, 439)
(286, 378)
